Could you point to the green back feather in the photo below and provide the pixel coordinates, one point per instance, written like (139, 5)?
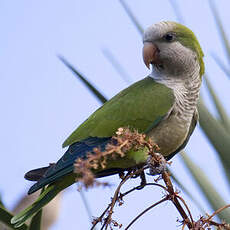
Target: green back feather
(137, 106)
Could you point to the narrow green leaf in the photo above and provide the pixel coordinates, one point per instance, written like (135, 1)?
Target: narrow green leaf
(219, 107)
(132, 17)
(93, 89)
(36, 220)
(6, 216)
(117, 66)
(221, 64)
(35, 223)
(216, 134)
(207, 188)
(220, 27)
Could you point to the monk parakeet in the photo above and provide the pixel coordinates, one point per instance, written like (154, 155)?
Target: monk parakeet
(163, 105)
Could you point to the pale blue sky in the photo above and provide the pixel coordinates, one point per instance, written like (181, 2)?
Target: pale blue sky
(42, 102)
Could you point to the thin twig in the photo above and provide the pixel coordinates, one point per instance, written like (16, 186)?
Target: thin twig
(186, 206)
(146, 210)
(127, 140)
(136, 188)
(211, 222)
(115, 197)
(97, 220)
(183, 226)
(218, 211)
(108, 219)
(175, 201)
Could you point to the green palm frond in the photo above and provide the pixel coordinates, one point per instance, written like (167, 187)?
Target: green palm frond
(224, 118)
(90, 86)
(214, 198)
(220, 27)
(6, 216)
(221, 64)
(132, 17)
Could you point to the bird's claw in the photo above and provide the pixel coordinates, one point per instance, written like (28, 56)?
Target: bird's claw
(143, 181)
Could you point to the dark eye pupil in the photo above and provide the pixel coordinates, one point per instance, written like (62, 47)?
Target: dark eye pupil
(169, 37)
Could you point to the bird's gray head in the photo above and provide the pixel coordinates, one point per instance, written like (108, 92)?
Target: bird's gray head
(172, 49)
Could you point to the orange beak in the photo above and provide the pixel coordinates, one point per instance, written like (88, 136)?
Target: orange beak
(150, 54)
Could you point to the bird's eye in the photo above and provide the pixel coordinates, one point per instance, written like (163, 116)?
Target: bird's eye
(169, 37)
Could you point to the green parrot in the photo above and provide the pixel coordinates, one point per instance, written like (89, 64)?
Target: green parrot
(163, 105)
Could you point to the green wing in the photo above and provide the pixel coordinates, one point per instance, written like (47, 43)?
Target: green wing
(137, 106)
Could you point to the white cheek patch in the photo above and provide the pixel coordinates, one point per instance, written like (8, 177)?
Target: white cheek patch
(177, 59)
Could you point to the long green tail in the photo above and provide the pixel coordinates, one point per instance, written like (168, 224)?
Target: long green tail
(49, 193)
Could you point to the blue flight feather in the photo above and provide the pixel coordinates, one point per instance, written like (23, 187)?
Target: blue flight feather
(65, 164)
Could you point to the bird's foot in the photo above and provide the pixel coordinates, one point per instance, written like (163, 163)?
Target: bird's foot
(143, 181)
(157, 164)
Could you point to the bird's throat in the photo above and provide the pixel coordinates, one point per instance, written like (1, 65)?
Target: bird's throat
(173, 130)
